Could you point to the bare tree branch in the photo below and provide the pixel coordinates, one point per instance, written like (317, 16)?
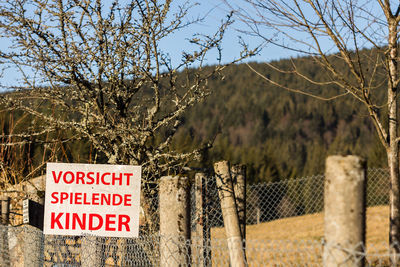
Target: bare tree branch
(101, 66)
(336, 34)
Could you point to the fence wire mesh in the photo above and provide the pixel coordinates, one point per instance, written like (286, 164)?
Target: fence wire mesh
(29, 247)
(271, 208)
(288, 198)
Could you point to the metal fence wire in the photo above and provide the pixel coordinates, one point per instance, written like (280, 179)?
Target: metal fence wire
(144, 251)
(266, 202)
(288, 198)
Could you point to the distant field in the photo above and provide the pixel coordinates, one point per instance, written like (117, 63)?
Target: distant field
(291, 239)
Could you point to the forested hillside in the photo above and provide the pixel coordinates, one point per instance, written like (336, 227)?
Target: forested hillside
(278, 134)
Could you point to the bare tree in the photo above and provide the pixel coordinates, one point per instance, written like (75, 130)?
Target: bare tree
(335, 34)
(98, 70)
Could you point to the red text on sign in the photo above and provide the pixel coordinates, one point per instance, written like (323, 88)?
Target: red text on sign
(90, 221)
(106, 178)
(78, 198)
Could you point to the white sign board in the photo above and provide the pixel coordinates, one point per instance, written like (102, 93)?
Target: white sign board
(95, 199)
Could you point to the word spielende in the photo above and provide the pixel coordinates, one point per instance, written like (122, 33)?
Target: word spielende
(78, 198)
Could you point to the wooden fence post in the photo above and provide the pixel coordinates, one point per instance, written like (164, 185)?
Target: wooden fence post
(229, 213)
(344, 203)
(174, 221)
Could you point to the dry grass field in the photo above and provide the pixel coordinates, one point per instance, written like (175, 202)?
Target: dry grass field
(296, 240)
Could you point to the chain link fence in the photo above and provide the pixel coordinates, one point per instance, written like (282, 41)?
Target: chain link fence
(266, 203)
(289, 198)
(35, 249)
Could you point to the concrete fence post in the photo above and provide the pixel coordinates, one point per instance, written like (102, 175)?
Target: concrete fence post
(229, 213)
(91, 255)
(238, 173)
(174, 221)
(201, 253)
(26, 246)
(4, 251)
(5, 218)
(25, 243)
(34, 246)
(344, 203)
(5, 210)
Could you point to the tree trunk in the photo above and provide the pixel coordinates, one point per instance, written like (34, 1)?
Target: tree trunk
(393, 149)
(394, 237)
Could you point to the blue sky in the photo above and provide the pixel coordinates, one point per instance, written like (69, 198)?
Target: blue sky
(215, 12)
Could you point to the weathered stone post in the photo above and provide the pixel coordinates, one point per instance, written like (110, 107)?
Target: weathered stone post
(4, 249)
(344, 203)
(90, 251)
(174, 221)
(26, 244)
(201, 253)
(229, 213)
(33, 246)
(258, 214)
(5, 210)
(238, 173)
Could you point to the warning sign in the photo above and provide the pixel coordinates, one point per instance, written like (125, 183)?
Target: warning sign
(101, 200)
